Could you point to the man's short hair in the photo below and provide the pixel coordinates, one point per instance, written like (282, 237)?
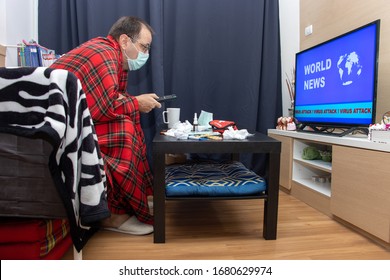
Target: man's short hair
(129, 25)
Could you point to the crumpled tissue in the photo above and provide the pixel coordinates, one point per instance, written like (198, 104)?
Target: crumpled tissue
(240, 134)
(180, 130)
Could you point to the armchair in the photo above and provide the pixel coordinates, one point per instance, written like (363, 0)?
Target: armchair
(44, 114)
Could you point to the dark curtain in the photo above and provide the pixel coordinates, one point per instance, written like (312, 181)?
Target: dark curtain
(218, 56)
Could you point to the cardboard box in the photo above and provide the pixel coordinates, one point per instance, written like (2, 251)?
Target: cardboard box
(175, 158)
(2, 55)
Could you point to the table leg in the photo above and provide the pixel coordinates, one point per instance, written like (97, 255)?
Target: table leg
(271, 203)
(159, 197)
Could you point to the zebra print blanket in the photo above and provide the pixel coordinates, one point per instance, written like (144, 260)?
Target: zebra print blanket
(50, 104)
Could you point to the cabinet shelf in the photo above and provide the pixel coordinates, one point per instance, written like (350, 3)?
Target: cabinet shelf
(305, 171)
(323, 188)
(320, 164)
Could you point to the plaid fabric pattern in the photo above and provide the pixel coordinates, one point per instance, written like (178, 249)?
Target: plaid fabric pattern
(32, 239)
(98, 64)
(56, 230)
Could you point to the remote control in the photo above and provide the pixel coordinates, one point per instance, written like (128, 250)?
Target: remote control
(166, 97)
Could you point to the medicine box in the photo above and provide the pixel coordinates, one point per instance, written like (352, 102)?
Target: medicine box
(380, 136)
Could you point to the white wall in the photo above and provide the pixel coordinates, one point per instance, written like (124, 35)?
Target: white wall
(289, 39)
(2, 22)
(18, 21)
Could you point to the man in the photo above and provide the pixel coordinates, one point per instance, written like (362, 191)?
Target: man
(102, 65)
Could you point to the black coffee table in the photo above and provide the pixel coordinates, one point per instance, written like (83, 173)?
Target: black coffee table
(257, 144)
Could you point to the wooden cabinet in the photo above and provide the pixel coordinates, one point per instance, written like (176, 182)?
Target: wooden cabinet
(285, 161)
(361, 189)
(358, 189)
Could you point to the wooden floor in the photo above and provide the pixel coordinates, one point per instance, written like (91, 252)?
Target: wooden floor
(231, 230)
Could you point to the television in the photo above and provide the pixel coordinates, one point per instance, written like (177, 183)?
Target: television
(336, 82)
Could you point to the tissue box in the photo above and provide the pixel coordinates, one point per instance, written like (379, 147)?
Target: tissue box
(380, 136)
(2, 55)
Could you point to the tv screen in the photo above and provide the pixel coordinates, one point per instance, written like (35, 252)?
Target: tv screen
(335, 81)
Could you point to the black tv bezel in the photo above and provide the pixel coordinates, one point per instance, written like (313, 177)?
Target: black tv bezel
(324, 126)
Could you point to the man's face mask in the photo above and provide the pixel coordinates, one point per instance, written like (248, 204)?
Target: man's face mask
(135, 64)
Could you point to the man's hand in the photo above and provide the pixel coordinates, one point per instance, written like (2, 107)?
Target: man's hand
(147, 102)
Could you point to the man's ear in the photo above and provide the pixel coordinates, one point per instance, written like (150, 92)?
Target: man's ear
(123, 40)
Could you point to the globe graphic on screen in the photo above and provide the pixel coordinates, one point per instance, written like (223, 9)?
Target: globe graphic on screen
(349, 68)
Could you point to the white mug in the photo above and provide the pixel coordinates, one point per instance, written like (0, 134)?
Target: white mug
(171, 116)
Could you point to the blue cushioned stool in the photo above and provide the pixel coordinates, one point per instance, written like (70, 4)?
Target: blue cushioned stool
(226, 179)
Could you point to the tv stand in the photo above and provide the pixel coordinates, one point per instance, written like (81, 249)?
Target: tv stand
(332, 131)
(348, 188)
